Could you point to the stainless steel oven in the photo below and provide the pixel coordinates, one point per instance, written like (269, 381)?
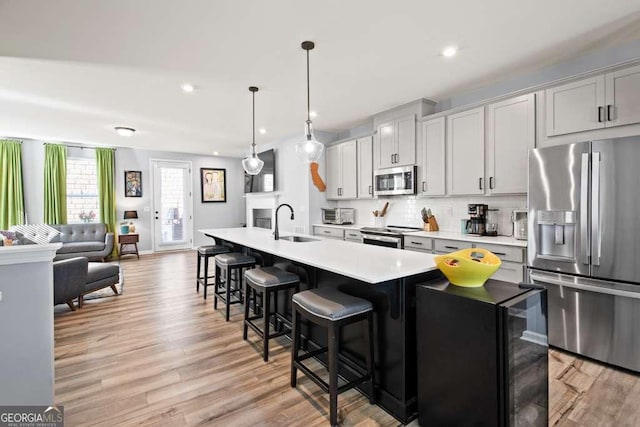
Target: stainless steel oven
(395, 181)
(390, 237)
(387, 241)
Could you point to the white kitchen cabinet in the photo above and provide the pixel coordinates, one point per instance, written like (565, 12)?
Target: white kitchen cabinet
(604, 101)
(465, 152)
(575, 107)
(365, 167)
(342, 176)
(510, 134)
(432, 163)
(330, 232)
(396, 142)
(622, 90)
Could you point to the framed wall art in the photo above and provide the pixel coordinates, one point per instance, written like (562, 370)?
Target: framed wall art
(213, 185)
(132, 184)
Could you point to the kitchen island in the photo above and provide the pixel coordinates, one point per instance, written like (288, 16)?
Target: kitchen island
(387, 277)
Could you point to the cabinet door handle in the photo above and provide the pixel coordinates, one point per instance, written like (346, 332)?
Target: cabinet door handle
(480, 183)
(397, 158)
(392, 159)
(600, 114)
(370, 189)
(500, 253)
(609, 115)
(491, 183)
(424, 186)
(327, 232)
(416, 243)
(451, 247)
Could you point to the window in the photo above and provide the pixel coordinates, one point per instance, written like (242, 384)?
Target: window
(82, 190)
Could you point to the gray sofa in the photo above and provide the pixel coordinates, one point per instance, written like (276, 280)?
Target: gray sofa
(83, 240)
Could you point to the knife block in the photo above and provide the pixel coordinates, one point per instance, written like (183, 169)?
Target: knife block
(431, 225)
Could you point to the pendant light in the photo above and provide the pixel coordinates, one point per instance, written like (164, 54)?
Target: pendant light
(309, 150)
(253, 165)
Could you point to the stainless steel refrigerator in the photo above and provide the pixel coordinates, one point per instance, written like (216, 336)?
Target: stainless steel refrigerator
(584, 246)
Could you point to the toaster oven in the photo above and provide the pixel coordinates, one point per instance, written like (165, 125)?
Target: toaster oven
(338, 216)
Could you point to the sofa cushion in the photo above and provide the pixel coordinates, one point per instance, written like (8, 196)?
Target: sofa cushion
(97, 271)
(89, 232)
(69, 248)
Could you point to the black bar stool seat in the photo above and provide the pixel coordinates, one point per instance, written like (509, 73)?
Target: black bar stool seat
(206, 252)
(267, 281)
(225, 290)
(332, 309)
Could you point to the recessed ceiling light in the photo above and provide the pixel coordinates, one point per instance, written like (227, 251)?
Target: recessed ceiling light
(215, 153)
(123, 131)
(449, 51)
(188, 88)
(313, 114)
(262, 131)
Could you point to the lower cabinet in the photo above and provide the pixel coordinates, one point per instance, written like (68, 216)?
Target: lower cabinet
(353, 236)
(331, 232)
(512, 257)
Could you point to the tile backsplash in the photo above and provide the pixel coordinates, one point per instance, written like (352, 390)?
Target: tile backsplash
(448, 211)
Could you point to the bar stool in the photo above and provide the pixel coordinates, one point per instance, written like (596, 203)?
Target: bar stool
(267, 281)
(332, 309)
(207, 252)
(230, 262)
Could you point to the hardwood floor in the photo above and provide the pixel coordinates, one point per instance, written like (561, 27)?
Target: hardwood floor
(160, 355)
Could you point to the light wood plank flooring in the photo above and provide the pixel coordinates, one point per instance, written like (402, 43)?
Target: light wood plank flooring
(160, 355)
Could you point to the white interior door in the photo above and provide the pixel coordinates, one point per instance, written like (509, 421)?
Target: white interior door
(172, 205)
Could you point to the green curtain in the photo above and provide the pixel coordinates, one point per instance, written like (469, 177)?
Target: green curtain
(11, 197)
(55, 184)
(106, 165)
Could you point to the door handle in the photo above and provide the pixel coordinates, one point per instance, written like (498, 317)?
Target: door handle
(600, 114)
(370, 189)
(424, 186)
(491, 183)
(585, 245)
(392, 159)
(416, 243)
(609, 115)
(480, 183)
(451, 247)
(595, 209)
(397, 158)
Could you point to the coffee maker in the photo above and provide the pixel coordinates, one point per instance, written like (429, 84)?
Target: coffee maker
(478, 218)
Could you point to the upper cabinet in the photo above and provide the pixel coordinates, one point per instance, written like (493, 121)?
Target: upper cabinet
(365, 167)
(342, 174)
(465, 152)
(608, 100)
(622, 93)
(396, 142)
(510, 134)
(432, 161)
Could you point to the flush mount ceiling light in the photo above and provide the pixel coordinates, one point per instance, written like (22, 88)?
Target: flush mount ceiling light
(313, 114)
(262, 131)
(449, 51)
(253, 165)
(123, 131)
(187, 87)
(309, 150)
(215, 153)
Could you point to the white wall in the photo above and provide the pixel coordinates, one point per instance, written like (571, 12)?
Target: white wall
(205, 215)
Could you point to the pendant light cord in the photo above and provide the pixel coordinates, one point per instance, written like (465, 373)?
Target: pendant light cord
(253, 145)
(308, 91)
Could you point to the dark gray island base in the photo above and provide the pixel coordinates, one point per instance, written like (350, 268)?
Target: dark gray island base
(394, 327)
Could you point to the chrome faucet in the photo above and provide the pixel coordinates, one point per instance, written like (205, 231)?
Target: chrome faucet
(276, 233)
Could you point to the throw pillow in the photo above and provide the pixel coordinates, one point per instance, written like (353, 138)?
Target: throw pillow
(37, 233)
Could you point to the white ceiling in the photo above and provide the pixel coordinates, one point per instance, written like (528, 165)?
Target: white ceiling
(71, 70)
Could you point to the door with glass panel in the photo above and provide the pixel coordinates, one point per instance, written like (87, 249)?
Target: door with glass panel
(172, 205)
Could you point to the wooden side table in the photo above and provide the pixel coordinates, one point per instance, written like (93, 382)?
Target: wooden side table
(128, 244)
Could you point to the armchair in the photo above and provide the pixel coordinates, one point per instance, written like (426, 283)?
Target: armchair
(69, 280)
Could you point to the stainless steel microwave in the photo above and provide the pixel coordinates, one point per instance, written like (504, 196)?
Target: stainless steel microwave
(396, 181)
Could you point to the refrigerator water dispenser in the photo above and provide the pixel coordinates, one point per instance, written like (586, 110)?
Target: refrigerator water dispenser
(557, 231)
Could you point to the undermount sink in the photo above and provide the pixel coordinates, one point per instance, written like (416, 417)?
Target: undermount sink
(298, 239)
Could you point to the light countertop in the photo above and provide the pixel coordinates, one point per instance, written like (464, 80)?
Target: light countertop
(342, 227)
(496, 240)
(23, 254)
(368, 263)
